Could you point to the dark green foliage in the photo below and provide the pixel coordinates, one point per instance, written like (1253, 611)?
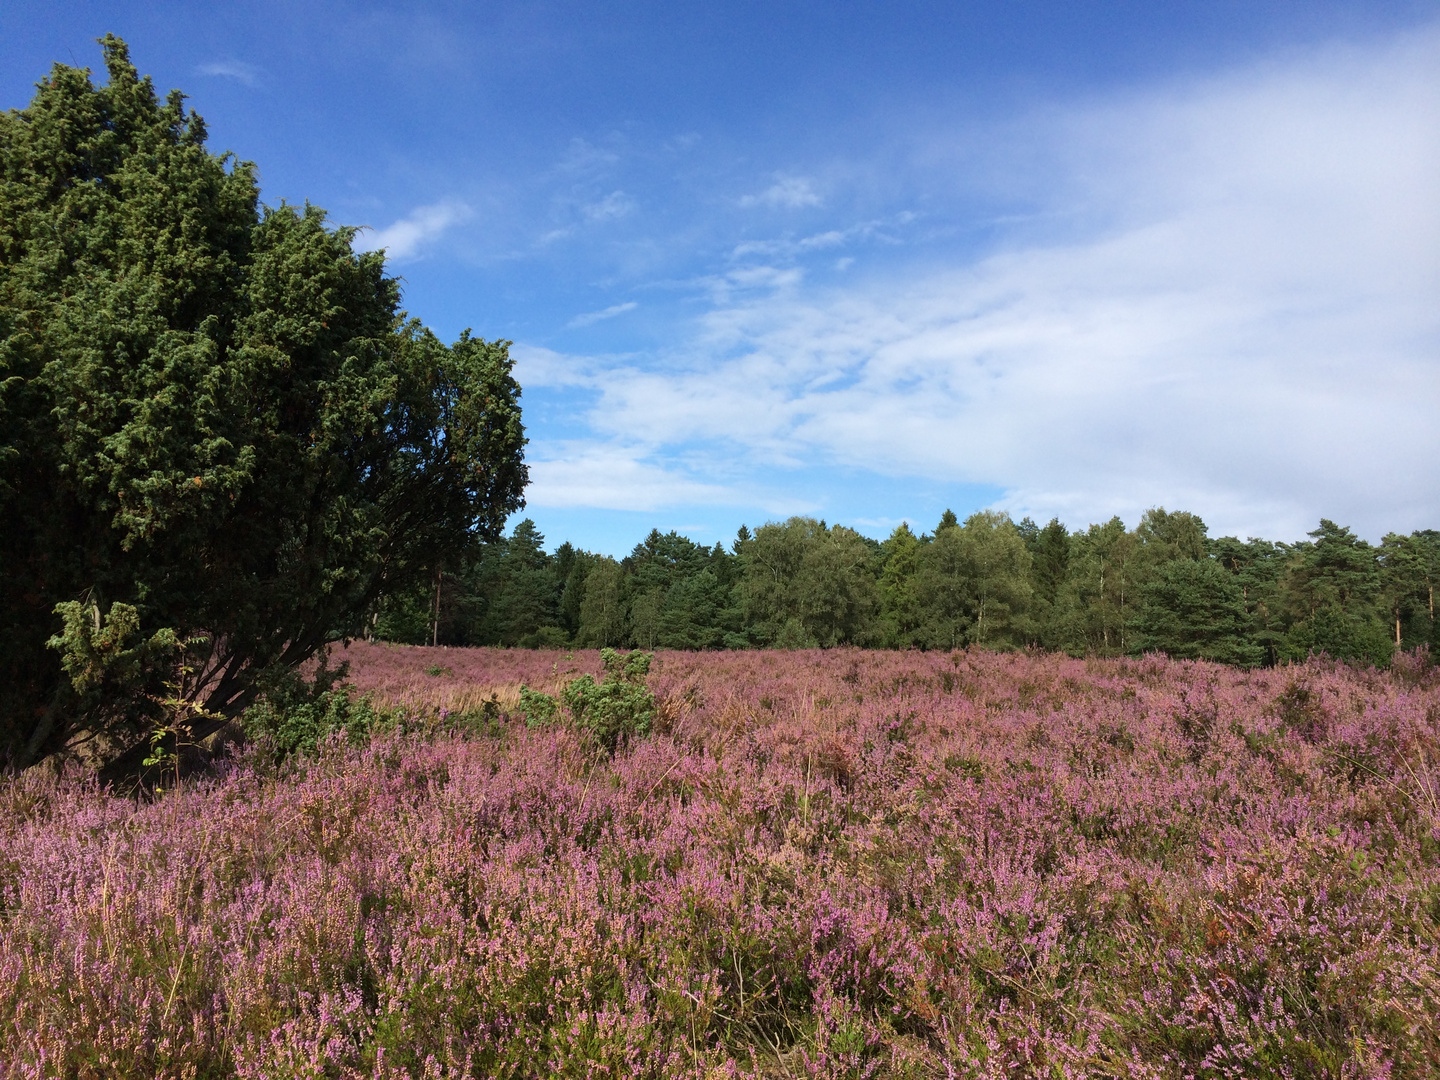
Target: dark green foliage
(107, 660)
(1167, 535)
(610, 712)
(527, 593)
(1193, 610)
(537, 708)
(572, 567)
(1099, 595)
(408, 617)
(1049, 569)
(1332, 598)
(602, 609)
(974, 584)
(1410, 570)
(506, 592)
(1188, 606)
(680, 593)
(1164, 586)
(942, 585)
(617, 708)
(1257, 567)
(220, 440)
(900, 599)
(805, 583)
(293, 716)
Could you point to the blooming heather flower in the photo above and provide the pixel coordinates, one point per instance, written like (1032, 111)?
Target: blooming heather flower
(826, 864)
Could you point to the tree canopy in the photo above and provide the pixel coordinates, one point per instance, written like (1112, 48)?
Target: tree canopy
(988, 582)
(221, 440)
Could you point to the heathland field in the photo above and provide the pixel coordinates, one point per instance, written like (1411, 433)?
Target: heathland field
(835, 863)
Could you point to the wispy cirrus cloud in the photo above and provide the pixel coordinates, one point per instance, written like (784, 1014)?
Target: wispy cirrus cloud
(787, 192)
(241, 72)
(408, 237)
(882, 230)
(592, 317)
(615, 205)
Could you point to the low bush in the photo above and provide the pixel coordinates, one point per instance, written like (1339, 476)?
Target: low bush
(609, 712)
(537, 708)
(619, 706)
(293, 716)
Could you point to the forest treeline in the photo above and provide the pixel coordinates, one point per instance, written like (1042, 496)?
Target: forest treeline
(1163, 586)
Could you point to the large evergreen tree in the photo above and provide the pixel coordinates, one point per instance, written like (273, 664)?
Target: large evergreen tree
(1332, 598)
(524, 592)
(1191, 609)
(901, 609)
(1410, 570)
(1050, 568)
(974, 583)
(220, 440)
(1099, 595)
(1257, 567)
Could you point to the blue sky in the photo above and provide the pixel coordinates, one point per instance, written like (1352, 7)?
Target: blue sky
(866, 262)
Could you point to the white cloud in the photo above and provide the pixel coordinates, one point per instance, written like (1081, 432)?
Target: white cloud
(1241, 319)
(747, 278)
(616, 477)
(584, 158)
(592, 317)
(787, 248)
(615, 205)
(538, 366)
(789, 192)
(407, 237)
(241, 72)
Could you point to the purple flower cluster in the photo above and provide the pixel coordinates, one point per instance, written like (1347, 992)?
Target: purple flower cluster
(820, 864)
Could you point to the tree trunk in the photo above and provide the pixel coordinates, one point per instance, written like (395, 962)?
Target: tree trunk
(1104, 622)
(44, 728)
(435, 623)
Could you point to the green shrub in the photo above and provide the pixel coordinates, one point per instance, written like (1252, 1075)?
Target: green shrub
(537, 708)
(292, 717)
(546, 637)
(611, 711)
(620, 706)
